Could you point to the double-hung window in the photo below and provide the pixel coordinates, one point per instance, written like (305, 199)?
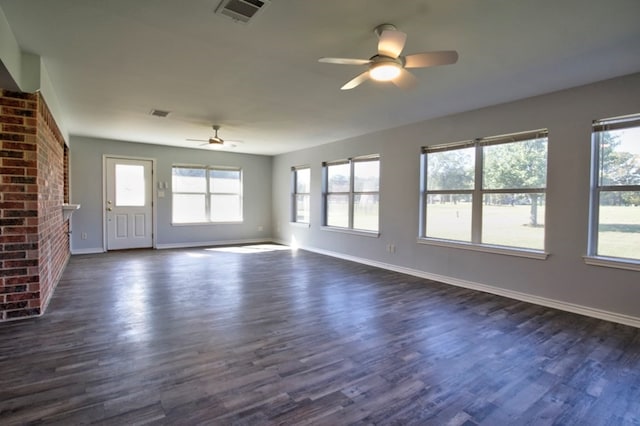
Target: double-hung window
(206, 194)
(488, 191)
(615, 189)
(300, 194)
(351, 193)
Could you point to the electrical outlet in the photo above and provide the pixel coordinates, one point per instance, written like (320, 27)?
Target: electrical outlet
(260, 228)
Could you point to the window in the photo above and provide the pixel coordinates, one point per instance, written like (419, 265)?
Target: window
(206, 194)
(615, 189)
(351, 196)
(300, 196)
(488, 191)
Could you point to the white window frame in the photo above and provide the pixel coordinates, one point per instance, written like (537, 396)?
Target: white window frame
(295, 194)
(208, 193)
(477, 193)
(598, 127)
(351, 193)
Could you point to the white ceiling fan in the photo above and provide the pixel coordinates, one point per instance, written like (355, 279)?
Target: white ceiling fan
(388, 64)
(215, 140)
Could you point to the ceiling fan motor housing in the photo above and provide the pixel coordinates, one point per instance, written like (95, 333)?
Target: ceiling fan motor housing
(384, 27)
(215, 139)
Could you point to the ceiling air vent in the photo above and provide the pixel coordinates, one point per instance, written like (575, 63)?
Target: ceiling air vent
(159, 113)
(241, 10)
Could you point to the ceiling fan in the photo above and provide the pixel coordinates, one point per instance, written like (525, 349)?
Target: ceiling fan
(216, 140)
(388, 64)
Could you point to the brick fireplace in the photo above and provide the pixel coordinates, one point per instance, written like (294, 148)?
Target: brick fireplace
(34, 240)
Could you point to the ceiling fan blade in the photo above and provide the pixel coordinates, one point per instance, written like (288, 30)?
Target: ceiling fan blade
(431, 59)
(345, 61)
(356, 81)
(405, 80)
(391, 43)
(197, 140)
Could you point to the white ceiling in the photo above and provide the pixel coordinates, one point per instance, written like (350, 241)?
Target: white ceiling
(112, 61)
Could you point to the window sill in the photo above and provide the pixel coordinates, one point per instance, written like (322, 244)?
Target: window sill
(507, 251)
(239, 222)
(371, 234)
(612, 262)
(300, 224)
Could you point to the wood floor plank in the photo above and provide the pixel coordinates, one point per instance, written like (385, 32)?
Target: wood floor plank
(244, 336)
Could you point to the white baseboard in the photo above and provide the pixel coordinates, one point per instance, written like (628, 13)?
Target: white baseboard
(523, 297)
(183, 245)
(87, 250)
(213, 243)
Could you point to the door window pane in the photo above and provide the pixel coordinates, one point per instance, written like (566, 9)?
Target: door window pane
(130, 185)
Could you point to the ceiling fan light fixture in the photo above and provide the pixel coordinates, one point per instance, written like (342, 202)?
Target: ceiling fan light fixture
(385, 71)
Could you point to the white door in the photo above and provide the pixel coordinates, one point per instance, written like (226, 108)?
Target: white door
(129, 203)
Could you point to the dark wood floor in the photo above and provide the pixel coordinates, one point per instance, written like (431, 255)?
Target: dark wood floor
(254, 336)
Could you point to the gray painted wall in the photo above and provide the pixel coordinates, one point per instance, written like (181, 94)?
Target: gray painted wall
(562, 277)
(86, 164)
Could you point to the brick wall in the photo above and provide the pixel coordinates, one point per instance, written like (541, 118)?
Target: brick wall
(53, 237)
(34, 244)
